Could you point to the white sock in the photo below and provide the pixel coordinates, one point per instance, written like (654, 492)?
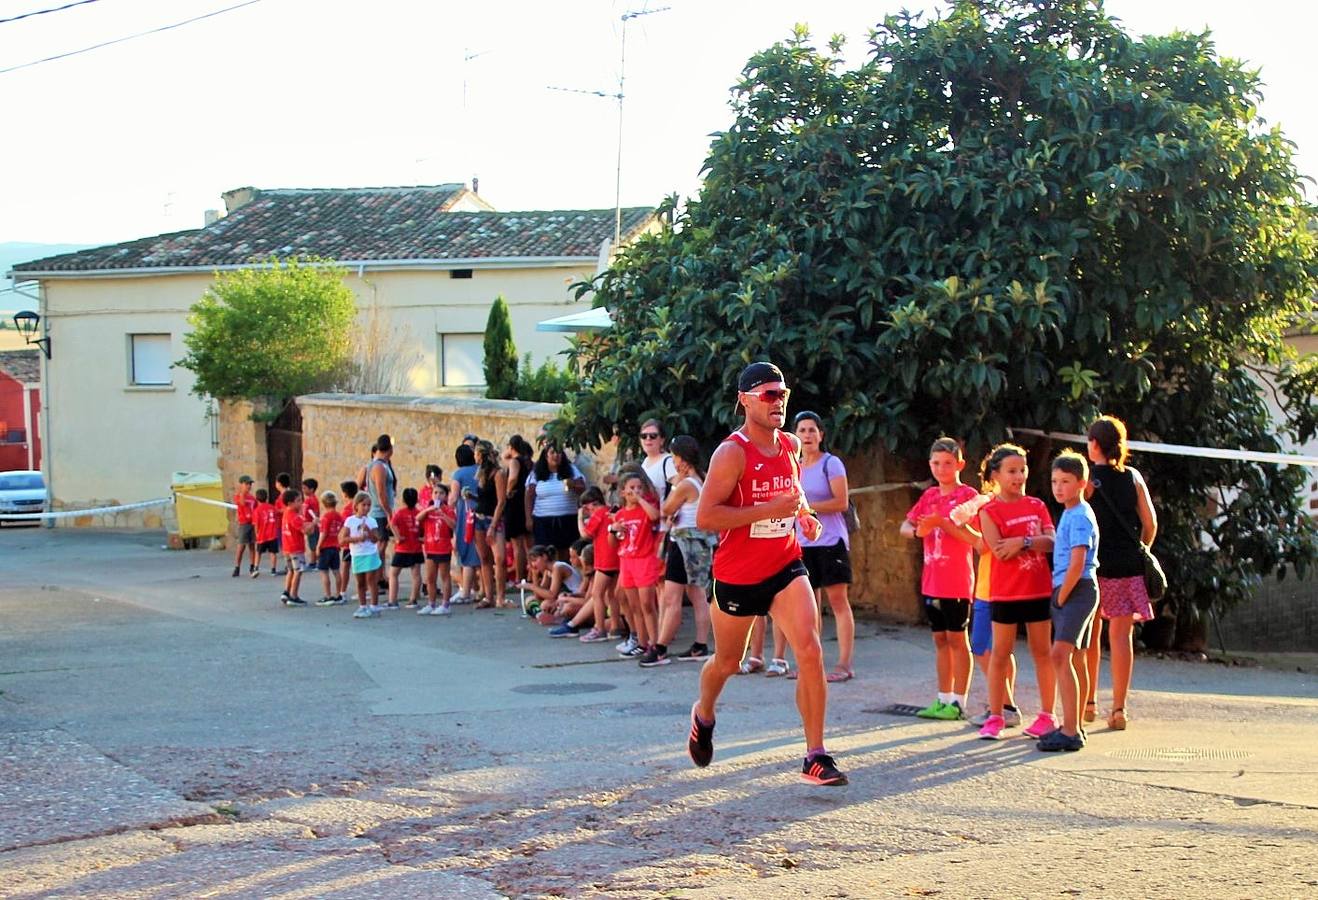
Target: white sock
(963, 699)
(944, 697)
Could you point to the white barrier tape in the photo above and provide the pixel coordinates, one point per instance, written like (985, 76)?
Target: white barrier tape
(1280, 459)
(891, 486)
(94, 511)
(206, 500)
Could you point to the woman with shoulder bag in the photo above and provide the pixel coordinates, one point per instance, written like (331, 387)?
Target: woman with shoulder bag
(1126, 519)
(827, 558)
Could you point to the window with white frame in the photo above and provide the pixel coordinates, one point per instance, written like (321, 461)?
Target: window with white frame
(149, 360)
(461, 360)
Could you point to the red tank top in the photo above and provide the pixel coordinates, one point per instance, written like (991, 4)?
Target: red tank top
(751, 553)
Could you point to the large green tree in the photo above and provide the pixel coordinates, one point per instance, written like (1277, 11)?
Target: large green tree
(275, 330)
(1015, 214)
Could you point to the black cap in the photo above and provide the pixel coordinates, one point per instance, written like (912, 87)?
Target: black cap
(758, 373)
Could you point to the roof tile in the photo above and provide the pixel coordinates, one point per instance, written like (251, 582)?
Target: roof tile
(359, 225)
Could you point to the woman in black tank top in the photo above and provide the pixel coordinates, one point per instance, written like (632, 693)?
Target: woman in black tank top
(517, 462)
(1123, 509)
(491, 494)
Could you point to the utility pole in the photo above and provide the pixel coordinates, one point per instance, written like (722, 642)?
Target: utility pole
(622, 76)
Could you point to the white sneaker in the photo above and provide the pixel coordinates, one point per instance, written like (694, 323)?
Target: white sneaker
(459, 597)
(441, 610)
(630, 646)
(426, 610)
(1011, 718)
(363, 612)
(375, 610)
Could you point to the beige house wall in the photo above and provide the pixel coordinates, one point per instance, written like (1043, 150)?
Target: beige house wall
(108, 441)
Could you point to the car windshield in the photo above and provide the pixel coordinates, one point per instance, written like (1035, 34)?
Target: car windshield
(21, 482)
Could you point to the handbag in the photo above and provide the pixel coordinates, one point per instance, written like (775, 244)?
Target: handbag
(852, 519)
(1155, 579)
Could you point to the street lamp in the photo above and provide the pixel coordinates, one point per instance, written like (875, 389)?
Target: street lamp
(26, 321)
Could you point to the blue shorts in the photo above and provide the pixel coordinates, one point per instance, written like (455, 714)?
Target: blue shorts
(328, 560)
(981, 629)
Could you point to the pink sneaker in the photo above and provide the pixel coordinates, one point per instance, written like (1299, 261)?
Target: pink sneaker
(992, 730)
(1045, 723)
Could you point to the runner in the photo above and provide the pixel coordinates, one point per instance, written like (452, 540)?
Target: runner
(753, 498)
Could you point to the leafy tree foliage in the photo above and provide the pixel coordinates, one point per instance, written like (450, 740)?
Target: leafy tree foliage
(545, 384)
(1015, 214)
(272, 331)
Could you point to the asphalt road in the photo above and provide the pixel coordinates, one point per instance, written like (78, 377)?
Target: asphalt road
(166, 730)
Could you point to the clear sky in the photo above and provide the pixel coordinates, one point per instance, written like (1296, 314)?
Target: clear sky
(141, 137)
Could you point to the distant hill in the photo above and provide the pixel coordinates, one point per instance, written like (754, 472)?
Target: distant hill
(14, 252)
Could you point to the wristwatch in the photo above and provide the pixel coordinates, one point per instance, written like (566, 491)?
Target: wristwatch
(1027, 543)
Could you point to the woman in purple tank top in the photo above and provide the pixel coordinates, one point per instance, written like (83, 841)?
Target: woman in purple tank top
(827, 558)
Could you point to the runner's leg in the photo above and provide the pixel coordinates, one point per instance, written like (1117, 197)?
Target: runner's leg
(730, 635)
(794, 609)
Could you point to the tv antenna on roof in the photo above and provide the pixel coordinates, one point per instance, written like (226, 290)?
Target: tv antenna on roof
(618, 95)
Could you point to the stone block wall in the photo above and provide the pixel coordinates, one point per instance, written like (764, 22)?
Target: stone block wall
(338, 430)
(885, 566)
(242, 448)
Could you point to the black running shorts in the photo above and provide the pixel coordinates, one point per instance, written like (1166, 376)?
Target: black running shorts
(755, 599)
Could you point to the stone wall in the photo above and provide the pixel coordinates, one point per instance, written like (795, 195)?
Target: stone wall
(885, 566)
(1281, 617)
(338, 430)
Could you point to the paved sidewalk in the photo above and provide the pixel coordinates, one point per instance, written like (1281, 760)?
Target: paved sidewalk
(166, 730)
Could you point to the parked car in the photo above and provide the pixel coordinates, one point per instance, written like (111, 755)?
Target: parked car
(22, 492)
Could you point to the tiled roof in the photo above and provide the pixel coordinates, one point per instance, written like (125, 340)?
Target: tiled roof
(358, 225)
(23, 365)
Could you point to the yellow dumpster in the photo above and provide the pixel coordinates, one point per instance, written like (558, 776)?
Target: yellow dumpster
(199, 519)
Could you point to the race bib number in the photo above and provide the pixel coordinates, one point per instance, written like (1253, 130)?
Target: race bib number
(771, 528)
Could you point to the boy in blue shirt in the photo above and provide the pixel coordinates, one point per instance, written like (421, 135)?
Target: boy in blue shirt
(1075, 596)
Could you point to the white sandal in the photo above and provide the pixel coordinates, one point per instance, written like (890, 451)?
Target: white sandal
(751, 665)
(775, 668)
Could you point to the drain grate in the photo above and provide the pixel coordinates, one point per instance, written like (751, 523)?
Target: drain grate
(896, 709)
(565, 687)
(1180, 754)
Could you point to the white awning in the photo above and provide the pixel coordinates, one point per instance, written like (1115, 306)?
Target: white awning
(587, 320)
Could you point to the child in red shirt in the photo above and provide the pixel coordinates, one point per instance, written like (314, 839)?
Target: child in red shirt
(593, 521)
(408, 552)
(1019, 532)
(266, 523)
(437, 520)
(633, 534)
(246, 503)
(328, 557)
(947, 582)
(294, 543)
(283, 483)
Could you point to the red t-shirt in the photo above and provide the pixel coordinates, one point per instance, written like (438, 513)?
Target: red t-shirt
(751, 553)
(597, 528)
(1028, 575)
(407, 531)
(438, 528)
(266, 522)
(949, 564)
(311, 505)
(330, 525)
(246, 503)
(279, 502)
(641, 540)
(295, 540)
